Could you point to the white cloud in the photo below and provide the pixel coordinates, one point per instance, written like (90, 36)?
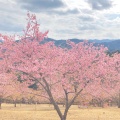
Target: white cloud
(70, 19)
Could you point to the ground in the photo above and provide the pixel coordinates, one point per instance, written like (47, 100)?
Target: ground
(47, 112)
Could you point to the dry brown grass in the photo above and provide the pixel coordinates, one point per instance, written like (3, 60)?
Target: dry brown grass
(46, 112)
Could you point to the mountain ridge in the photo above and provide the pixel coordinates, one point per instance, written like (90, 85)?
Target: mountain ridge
(112, 44)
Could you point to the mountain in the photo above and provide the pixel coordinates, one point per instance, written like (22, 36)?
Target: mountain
(112, 44)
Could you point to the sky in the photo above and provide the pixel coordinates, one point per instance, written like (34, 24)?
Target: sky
(65, 19)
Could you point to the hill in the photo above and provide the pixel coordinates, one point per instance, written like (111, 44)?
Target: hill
(112, 45)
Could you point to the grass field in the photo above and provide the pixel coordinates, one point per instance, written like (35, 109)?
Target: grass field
(46, 112)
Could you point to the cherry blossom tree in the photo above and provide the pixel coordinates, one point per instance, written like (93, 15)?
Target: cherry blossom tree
(5, 87)
(59, 73)
(116, 59)
(20, 91)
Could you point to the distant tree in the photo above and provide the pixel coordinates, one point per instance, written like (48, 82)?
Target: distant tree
(5, 86)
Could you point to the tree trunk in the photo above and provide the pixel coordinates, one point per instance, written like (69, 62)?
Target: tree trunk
(101, 104)
(15, 104)
(65, 114)
(119, 100)
(52, 100)
(64, 117)
(0, 105)
(36, 106)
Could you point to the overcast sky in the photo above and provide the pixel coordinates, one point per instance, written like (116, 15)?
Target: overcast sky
(82, 19)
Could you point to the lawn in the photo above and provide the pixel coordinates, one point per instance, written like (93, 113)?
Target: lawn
(46, 112)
